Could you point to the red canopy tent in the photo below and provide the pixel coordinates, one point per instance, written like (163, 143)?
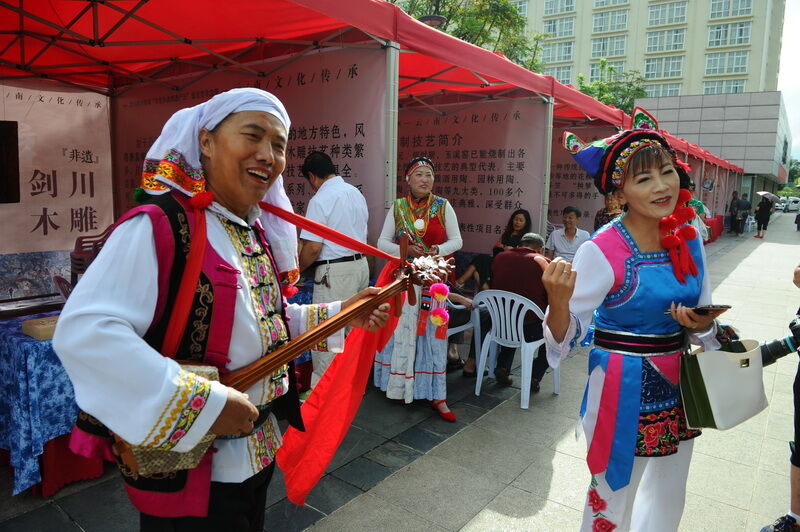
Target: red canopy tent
(109, 46)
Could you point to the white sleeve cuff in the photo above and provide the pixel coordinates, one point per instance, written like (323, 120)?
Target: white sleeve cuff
(558, 351)
(215, 402)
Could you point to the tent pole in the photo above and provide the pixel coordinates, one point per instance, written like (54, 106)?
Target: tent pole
(548, 148)
(391, 114)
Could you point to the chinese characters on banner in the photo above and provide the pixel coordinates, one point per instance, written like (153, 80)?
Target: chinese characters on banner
(335, 99)
(569, 184)
(64, 167)
(488, 162)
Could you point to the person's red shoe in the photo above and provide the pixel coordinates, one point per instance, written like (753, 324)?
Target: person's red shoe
(447, 416)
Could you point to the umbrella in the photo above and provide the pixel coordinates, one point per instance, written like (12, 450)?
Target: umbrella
(769, 195)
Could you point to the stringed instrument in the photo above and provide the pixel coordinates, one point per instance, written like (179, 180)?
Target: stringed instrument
(421, 271)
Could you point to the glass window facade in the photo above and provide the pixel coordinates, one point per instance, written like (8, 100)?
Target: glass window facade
(671, 13)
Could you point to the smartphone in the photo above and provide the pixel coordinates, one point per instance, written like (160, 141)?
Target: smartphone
(705, 309)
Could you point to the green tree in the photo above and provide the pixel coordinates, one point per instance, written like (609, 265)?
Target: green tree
(612, 88)
(794, 171)
(495, 25)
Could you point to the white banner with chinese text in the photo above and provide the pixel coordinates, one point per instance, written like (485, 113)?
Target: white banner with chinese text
(64, 148)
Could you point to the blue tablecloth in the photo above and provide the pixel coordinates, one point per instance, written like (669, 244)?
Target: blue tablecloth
(37, 402)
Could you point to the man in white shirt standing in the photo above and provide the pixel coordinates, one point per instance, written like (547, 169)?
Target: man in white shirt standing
(342, 207)
(565, 242)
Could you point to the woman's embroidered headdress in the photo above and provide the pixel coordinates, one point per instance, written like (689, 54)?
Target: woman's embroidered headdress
(606, 161)
(416, 162)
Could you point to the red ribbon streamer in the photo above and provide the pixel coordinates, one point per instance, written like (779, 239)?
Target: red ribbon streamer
(326, 232)
(331, 407)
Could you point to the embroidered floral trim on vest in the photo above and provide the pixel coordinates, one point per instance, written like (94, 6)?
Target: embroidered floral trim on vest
(265, 296)
(404, 217)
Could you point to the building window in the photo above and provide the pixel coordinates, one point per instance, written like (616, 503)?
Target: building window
(724, 86)
(610, 21)
(727, 62)
(663, 89)
(551, 7)
(594, 70)
(609, 46)
(604, 3)
(725, 34)
(522, 6)
(666, 40)
(671, 13)
(663, 67)
(731, 8)
(563, 74)
(556, 52)
(560, 27)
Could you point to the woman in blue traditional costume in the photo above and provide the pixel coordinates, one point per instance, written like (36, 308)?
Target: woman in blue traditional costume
(204, 177)
(413, 364)
(637, 277)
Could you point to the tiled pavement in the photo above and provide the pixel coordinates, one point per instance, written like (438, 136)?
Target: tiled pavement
(503, 468)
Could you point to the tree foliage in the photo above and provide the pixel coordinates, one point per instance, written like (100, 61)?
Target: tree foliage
(492, 24)
(619, 90)
(794, 171)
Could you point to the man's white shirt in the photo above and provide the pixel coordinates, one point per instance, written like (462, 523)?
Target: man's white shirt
(342, 207)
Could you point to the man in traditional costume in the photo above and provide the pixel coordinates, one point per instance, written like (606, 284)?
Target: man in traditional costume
(205, 173)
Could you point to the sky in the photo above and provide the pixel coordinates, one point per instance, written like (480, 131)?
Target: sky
(789, 75)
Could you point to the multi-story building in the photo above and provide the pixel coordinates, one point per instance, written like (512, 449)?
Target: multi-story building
(682, 47)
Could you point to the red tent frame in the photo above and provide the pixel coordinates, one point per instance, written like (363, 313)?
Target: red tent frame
(109, 46)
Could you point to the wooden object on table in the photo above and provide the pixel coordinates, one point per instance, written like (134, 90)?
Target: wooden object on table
(86, 249)
(40, 328)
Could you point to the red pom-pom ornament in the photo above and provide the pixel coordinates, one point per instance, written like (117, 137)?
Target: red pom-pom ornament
(683, 214)
(201, 200)
(439, 291)
(687, 232)
(684, 196)
(289, 290)
(670, 241)
(439, 317)
(668, 224)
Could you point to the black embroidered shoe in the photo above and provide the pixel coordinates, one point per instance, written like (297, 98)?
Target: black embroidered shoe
(785, 523)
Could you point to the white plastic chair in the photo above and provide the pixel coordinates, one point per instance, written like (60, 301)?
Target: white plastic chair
(749, 224)
(474, 323)
(508, 311)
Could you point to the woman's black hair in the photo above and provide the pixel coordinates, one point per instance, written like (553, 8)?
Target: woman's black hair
(510, 225)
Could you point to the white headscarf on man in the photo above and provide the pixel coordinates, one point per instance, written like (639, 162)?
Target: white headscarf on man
(180, 136)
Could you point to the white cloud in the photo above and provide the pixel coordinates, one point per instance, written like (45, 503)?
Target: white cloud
(789, 76)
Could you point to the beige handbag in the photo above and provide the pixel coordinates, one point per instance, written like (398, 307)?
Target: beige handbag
(722, 389)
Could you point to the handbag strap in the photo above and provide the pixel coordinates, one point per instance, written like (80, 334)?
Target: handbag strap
(191, 274)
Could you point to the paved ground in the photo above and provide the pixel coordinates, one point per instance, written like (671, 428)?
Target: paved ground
(500, 468)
